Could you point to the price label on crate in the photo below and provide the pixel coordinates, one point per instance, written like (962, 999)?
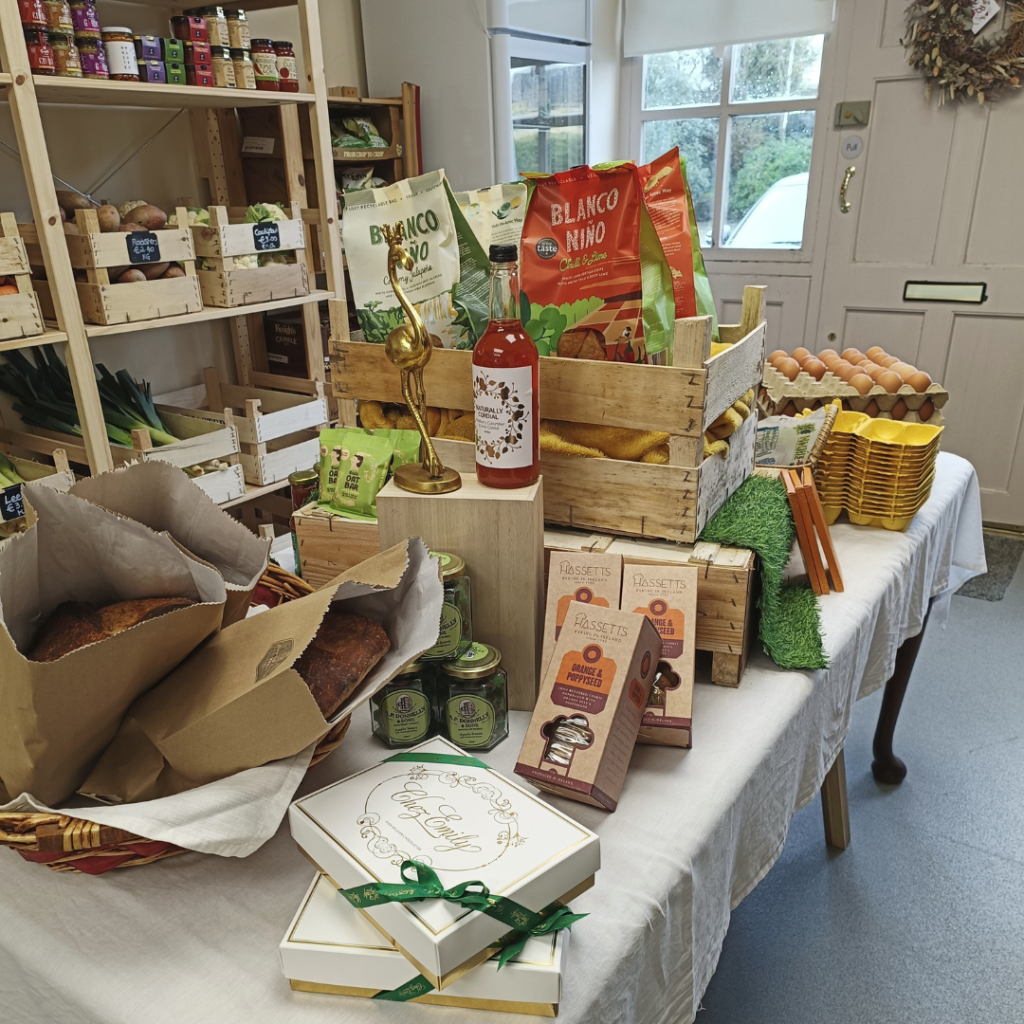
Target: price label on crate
(266, 236)
(143, 247)
(12, 505)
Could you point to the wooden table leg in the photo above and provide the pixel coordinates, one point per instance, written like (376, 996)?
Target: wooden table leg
(835, 808)
(887, 767)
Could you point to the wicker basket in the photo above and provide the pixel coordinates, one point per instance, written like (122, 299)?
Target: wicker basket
(64, 843)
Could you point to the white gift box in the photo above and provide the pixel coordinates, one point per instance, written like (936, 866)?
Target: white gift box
(468, 824)
(331, 947)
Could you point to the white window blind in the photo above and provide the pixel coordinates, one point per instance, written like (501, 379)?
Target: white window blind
(658, 26)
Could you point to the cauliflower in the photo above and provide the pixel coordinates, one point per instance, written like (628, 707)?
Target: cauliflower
(125, 208)
(265, 211)
(249, 262)
(268, 259)
(197, 216)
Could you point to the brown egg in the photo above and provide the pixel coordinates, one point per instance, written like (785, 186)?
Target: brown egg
(788, 367)
(777, 355)
(892, 382)
(800, 354)
(846, 405)
(926, 410)
(875, 351)
(790, 409)
(816, 404)
(871, 409)
(827, 352)
(840, 366)
(905, 370)
(830, 361)
(919, 381)
(862, 382)
(852, 371)
(886, 361)
(851, 353)
(872, 370)
(899, 410)
(814, 367)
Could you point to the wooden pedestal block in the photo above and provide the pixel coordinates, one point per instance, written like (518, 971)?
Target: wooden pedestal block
(500, 534)
(329, 544)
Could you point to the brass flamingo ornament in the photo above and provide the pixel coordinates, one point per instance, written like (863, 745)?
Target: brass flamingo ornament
(408, 347)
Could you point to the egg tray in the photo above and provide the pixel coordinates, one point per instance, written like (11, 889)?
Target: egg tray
(898, 524)
(777, 391)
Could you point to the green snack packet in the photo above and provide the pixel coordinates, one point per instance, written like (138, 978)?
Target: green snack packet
(701, 284)
(332, 444)
(363, 463)
(407, 448)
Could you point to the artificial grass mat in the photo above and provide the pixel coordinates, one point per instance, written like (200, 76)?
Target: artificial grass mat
(758, 516)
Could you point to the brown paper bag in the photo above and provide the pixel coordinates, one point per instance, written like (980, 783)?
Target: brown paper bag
(160, 496)
(237, 703)
(57, 717)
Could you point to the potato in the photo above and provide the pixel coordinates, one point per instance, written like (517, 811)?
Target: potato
(131, 275)
(109, 218)
(154, 270)
(151, 218)
(69, 228)
(115, 272)
(73, 201)
(174, 271)
(125, 226)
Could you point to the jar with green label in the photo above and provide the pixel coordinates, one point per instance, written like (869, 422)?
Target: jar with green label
(405, 711)
(456, 630)
(472, 695)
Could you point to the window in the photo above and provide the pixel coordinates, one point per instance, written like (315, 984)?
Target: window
(744, 121)
(548, 114)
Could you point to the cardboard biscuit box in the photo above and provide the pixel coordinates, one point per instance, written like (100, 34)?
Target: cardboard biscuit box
(330, 947)
(592, 700)
(667, 595)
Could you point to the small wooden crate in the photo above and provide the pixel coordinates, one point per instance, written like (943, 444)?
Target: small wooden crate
(329, 544)
(20, 315)
(222, 241)
(279, 432)
(672, 502)
(58, 476)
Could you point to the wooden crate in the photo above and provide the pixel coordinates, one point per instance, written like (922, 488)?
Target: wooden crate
(278, 432)
(673, 501)
(59, 476)
(329, 544)
(20, 314)
(725, 589)
(222, 241)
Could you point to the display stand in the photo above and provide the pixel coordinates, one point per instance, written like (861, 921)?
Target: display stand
(500, 534)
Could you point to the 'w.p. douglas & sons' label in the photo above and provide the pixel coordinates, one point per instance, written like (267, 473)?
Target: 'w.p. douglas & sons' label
(583, 576)
(592, 699)
(667, 595)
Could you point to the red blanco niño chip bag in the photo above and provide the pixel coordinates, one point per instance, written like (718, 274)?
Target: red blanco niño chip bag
(595, 281)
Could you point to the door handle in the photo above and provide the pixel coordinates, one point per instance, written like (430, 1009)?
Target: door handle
(844, 206)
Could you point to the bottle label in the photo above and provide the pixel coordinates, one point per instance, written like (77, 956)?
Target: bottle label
(406, 715)
(503, 409)
(449, 634)
(287, 69)
(266, 66)
(121, 57)
(470, 720)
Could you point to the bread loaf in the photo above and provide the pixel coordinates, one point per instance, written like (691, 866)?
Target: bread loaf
(338, 658)
(76, 624)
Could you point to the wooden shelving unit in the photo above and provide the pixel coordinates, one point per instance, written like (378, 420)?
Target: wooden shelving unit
(213, 117)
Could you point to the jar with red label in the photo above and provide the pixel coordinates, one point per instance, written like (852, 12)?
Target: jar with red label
(287, 69)
(93, 58)
(85, 20)
(66, 57)
(265, 61)
(119, 46)
(40, 52)
(33, 13)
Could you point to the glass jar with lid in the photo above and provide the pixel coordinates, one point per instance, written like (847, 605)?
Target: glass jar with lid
(472, 693)
(32, 13)
(287, 66)
(405, 711)
(265, 61)
(216, 24)
(58, 17)
(119, 46)
(238, 29)
(40, 52)
(85, 20)
(66, 58)
(245, 73)
(455, 632)
(93, 58)
(223, 68)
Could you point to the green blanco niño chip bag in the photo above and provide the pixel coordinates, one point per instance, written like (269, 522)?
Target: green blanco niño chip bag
(495, 214)
(363, 464)
(422, 206)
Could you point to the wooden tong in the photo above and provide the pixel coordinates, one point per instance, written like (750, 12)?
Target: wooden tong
(811, 529)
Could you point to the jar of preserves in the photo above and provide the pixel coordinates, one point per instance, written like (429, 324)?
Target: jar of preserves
(119, 46)
(287, 68)
(40, 53)
(473, 698)
(66, 57)
(223, 69)
(405, 711)
(216, 24)
(455, 631)
(304, 486)
(58, 17)
(32, 13)
(85, 20)
(264, 61)
(245, 73)
(93, 58)
(238, 29)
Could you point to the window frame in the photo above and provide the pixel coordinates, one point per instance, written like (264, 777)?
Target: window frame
(724, 110)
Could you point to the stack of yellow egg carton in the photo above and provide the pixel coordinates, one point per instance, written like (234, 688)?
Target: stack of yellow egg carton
(879, 471)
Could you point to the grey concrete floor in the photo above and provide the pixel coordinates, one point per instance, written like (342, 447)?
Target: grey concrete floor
(921, 919)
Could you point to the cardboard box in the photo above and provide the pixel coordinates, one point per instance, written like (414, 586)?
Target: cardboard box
(330, 947)
(667, 595)
(589, 577)
(592, 700)
(362, 828)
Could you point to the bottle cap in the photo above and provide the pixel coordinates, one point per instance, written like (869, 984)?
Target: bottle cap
(477, 661)
(504, 253)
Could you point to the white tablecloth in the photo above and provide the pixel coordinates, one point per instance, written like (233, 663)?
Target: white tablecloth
(194, 938)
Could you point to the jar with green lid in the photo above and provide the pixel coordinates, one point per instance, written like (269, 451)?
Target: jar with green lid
(472, 693)
(405, 711)
(455, 633)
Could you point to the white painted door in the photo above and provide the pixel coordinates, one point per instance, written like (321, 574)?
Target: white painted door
(937, 197)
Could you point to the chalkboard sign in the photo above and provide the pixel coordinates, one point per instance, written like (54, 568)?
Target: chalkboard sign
(143, 247)
(11, 504)
(266, 236)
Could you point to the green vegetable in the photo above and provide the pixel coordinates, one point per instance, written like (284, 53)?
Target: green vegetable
(376, 324)
(9, 472)
(196, 216)
(265, 211)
